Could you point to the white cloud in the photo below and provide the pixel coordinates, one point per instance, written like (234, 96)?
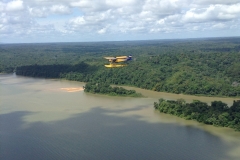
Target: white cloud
(196, 28)
(16, 5)
(90, 5)
(78, 21)
(12, 6)
(219, 26)
(2, 6)
(82, 4)
(60, 9)
(162, 8)
(45, 11)
(213, 13)
(102, 31)
(116, 17)
(209, 2)
(38, 12)
(122, 3)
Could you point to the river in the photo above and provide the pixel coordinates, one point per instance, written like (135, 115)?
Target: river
(41, 119)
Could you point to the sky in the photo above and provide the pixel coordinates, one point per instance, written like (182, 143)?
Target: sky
(31, 21)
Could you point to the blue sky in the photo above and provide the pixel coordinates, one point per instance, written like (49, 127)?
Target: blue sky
(30, 21)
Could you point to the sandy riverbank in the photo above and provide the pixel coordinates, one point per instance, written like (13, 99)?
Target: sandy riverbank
(73, 89)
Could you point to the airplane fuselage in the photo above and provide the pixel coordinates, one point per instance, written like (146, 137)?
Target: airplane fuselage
(119, 59)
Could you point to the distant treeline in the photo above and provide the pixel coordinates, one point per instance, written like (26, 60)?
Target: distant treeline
(196, 66)
(103, 88)
(58, 71)
(217, 114)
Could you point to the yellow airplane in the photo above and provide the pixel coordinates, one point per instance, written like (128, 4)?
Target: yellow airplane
(114, 60)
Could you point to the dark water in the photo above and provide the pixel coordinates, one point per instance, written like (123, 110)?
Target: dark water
(97, 127)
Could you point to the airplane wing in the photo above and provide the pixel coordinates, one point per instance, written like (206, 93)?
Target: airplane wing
(122, 57)
(118, 59)
(110, 58)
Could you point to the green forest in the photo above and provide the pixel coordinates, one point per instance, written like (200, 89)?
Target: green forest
(217, 114)
(209, 66)
(104, 88)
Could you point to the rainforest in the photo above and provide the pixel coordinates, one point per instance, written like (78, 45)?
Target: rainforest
(217, 114)
(107, 89)
(207, 66)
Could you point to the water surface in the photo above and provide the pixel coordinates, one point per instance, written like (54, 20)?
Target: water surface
(39, 120)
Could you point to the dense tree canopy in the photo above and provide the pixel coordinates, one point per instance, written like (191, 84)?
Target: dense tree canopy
(218, 113)
(195, 66)
(104, 88)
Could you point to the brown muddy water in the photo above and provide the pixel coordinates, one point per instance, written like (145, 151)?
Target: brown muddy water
(55, 119)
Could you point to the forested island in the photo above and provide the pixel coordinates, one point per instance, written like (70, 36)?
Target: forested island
(207, 66)
(217, 114)
(106, 89)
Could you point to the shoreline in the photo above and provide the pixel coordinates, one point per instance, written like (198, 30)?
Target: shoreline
(126, 86)
(154, 94)
(181, 94)
(187, 98)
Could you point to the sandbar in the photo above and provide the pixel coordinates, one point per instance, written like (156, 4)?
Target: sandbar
(73, 89)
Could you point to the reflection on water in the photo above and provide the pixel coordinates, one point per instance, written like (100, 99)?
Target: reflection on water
(38, 116)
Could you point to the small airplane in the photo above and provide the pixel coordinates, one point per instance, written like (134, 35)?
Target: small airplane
(114, 60)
